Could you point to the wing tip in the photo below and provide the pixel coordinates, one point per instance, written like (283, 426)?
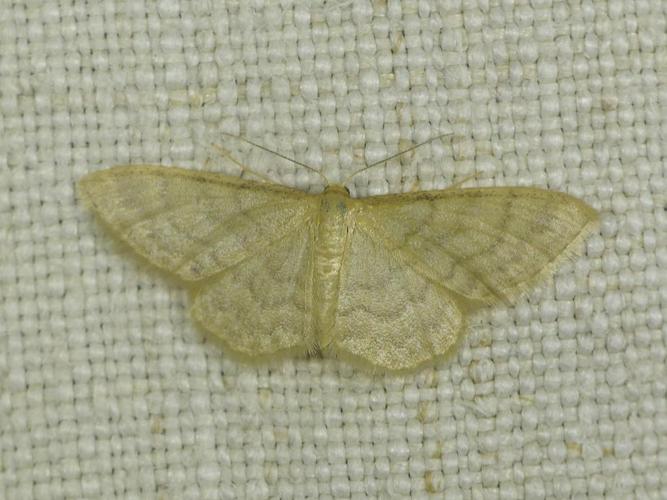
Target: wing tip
(93, 183)
(569, 253)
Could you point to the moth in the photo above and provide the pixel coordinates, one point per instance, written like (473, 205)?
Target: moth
(386, 281)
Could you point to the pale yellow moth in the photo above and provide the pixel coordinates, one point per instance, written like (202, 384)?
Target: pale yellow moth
(385, 281)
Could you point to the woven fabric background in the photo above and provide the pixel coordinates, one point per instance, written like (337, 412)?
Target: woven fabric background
(108, 391)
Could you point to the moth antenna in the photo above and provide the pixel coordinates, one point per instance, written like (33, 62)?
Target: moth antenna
(264, 148)
(384, 160)
(223, 152)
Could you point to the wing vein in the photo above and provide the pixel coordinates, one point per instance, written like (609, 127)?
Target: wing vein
(458, 261)
(164, 211)
(222, 226)
(499, 235)
(421, 332)
(389, 242)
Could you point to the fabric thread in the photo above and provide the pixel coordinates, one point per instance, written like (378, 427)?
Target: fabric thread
(107, 389)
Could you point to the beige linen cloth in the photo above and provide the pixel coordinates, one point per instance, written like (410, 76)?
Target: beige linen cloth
(108, 391)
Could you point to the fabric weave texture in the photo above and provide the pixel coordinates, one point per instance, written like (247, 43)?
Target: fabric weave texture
(107, 390)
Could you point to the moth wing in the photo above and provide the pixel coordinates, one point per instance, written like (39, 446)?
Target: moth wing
(262, 305)
(389, 316)
(193, 224)
(484, 244)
